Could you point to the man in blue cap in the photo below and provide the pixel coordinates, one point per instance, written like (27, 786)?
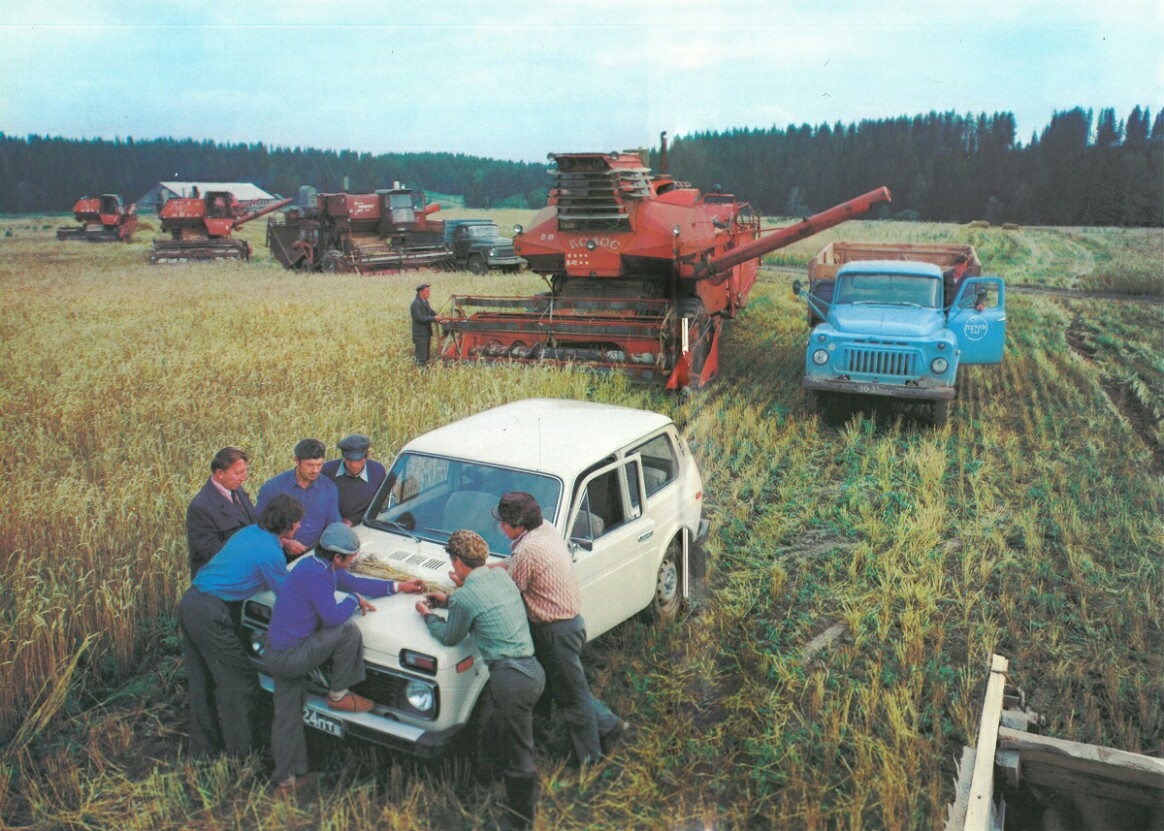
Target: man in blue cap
(310, 627)
(356, 476)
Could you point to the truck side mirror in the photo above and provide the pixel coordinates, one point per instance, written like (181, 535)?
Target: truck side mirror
(797, 287)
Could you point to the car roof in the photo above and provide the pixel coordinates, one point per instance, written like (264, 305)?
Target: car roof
(890, 267)
(548, 435)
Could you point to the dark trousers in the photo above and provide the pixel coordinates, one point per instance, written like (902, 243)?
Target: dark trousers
(421, 347)
(507, 731)
(343, 645)
(558, 647)
(222, 679)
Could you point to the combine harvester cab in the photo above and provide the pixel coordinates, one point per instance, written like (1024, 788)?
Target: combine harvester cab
(643, 271)
(103, 219)
(362, 233)
(200, 228)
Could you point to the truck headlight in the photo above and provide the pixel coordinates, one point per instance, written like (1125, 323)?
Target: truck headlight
(939, 365)
(820, 357)
(420, 696)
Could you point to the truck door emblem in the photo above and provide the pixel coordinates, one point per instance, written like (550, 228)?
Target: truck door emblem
(976, 328)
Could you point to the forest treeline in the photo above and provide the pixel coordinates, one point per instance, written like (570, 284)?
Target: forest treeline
(942, 167)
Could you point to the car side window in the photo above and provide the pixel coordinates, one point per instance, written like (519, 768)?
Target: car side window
(660, 464)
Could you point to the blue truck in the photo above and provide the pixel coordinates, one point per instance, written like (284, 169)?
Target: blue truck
(883, 325)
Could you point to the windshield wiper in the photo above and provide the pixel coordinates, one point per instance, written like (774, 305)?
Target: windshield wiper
(393, 525)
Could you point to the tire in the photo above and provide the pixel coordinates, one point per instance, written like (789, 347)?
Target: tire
(477, 264)
(834, 407)
(668, 597)
(940, 411)
(331, 261)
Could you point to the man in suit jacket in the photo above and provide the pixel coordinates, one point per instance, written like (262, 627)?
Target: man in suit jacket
(423, 317)
(356, 476)
(220, 508)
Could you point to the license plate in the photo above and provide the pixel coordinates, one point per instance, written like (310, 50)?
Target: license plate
(331, 726)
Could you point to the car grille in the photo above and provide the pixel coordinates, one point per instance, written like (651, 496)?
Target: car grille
(880, 362)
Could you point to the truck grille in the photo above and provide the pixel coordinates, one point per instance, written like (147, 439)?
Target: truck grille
(881, 362)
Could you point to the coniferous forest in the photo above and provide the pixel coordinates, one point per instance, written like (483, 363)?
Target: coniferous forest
(941, 167)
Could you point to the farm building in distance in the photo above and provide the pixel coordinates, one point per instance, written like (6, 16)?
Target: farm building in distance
(249, 195)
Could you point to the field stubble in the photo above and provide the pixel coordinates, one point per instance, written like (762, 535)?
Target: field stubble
(861, 574)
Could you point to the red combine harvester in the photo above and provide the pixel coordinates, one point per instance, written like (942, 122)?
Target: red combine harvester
(363, 233)
(200, 228)
(643, 270)
(103, 219)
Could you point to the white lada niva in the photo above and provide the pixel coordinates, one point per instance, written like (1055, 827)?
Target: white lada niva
(619, 484)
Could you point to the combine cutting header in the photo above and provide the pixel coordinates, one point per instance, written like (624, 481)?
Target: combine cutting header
(364, 233)
(200, 228)
(643, 271)
(103, 219)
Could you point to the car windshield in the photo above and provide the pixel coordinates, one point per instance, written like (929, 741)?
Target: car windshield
(888, 290)
(484, 231)
(430, 497)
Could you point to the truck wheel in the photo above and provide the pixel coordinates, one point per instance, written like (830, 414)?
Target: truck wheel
(668, 596)
(834, 407)
(477, 264)
(940, 412)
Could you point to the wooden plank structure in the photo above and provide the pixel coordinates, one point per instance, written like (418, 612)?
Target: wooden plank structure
(1048, 783)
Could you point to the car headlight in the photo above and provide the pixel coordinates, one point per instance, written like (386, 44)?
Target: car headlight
(420, 696)
(939, 365)
(820, 357)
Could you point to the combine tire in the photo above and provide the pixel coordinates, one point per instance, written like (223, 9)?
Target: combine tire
(332, 261)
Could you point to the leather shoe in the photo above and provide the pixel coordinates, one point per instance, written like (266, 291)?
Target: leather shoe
(351, 703)
(290, 787)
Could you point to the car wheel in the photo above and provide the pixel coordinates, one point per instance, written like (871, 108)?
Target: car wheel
(477, 264)
(668, 581)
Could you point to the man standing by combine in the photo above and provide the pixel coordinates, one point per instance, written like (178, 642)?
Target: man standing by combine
(355, 476)
(220, 508)
(542, 569)
(423, 317)
(318, 495)
(488, 606)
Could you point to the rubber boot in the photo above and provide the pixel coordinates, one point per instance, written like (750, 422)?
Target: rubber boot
(520, 803)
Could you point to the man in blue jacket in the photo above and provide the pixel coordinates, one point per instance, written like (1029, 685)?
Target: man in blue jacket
(308, 628)
(222, 678)
(318, 494)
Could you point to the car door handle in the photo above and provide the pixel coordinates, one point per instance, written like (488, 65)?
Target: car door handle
(646, 536)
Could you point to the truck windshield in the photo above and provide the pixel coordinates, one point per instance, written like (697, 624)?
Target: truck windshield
(430, 497)
(888, 290)
(484, 231)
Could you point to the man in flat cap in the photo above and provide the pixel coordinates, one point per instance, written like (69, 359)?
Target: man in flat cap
(356, 476)
(488, 606)
(423, 317)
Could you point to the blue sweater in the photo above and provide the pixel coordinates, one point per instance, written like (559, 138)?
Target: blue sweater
(320, 502)
(251, 560)
(307, 602)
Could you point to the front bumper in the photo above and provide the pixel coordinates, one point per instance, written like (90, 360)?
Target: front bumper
(506, 262)
(877, 388)
(378, 727)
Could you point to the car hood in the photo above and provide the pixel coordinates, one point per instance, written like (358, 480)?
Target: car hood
(886, 321)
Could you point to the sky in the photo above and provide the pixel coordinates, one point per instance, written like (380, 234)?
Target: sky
(514, 79)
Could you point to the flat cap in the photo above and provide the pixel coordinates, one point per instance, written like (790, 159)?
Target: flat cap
(423, 286)
(355, 446)
(339, 538)
(468, 547)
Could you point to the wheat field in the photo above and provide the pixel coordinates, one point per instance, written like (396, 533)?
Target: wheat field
(1029, 525)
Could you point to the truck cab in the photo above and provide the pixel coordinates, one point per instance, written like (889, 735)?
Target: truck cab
(619, 485)
(478, 246)
(887, 331)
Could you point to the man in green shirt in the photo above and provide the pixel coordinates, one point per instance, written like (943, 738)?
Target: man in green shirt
(489, 606)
